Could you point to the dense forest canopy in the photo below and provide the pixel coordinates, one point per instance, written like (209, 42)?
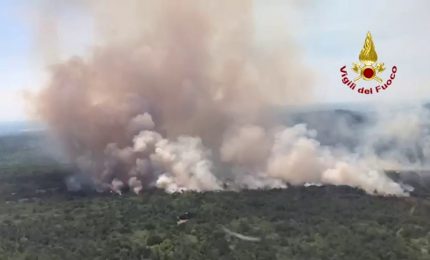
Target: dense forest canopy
(40, 219)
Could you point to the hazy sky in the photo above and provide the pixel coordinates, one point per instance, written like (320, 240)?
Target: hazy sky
(329, 33)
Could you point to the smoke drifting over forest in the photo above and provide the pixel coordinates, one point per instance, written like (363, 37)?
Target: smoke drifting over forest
(179, 95)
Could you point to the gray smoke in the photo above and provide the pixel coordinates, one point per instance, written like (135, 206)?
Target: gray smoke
(178, 95)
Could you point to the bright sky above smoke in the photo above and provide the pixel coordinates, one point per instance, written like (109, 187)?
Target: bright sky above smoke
(330, 34)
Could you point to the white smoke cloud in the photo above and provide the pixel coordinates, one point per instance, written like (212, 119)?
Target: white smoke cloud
(179, 100)
(184, 163)
(297, 158)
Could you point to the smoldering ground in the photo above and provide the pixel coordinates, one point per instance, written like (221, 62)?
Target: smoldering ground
(180, 95)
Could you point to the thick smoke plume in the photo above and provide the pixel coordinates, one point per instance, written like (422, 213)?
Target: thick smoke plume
(178, 95)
